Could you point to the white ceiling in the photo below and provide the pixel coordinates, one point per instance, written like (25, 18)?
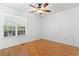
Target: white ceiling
(56, 7)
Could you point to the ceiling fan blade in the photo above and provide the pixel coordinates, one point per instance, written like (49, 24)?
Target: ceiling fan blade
(39, 5)
(45, 5)
(47, 10)
(32, 11)
(33, 6)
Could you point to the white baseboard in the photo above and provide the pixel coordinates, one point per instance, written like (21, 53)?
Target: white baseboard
(61, 41)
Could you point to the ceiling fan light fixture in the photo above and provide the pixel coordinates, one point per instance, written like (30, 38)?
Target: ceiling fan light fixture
(39, 11)
(41, 8)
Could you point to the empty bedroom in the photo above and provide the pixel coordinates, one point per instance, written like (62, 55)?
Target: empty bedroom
(39, 29)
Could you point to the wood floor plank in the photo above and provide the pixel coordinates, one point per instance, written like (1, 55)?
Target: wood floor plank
(41, 47)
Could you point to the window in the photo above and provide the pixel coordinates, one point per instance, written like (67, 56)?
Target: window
(9, 31)
(13, 27)
(21, 30)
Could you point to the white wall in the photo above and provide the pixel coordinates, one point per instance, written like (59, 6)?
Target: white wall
(32, 28)
(62, 27)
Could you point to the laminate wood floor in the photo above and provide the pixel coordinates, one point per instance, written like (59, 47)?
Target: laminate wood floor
(41, 47)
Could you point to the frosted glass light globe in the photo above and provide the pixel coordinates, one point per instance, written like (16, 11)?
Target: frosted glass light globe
(39, 11)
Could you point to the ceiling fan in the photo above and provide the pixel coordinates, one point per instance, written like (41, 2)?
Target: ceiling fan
(40, 8)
